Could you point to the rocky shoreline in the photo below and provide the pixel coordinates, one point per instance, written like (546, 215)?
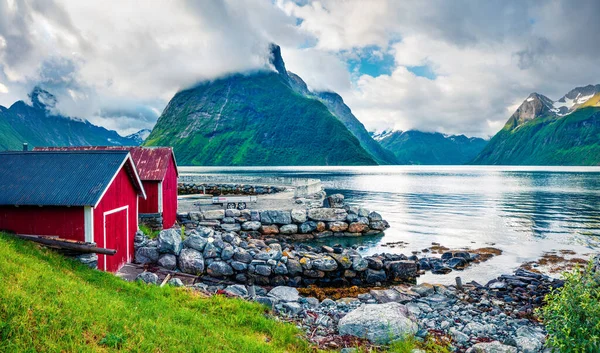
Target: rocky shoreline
(217, 189)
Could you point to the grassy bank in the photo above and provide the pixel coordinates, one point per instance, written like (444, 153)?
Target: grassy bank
(51, 304)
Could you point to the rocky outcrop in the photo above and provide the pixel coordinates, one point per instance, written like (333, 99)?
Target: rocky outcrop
(338, 220)
(217, 255)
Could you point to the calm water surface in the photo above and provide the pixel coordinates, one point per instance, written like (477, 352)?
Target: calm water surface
(524, 211)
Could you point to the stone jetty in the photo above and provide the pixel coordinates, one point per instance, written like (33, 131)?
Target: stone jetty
(336, 220)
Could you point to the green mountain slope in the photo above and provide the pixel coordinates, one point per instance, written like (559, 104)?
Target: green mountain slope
(36, 125)
(416, 147)
(340, 110)
(547, 140)
(255, 119)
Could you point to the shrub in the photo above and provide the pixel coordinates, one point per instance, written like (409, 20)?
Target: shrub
(572, 313)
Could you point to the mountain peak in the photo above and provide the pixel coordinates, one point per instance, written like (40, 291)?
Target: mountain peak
(42, 99)
(534, 106)
(276, 59)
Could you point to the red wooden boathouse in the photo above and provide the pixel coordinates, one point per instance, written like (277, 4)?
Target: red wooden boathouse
(87, 196)
(158, 171)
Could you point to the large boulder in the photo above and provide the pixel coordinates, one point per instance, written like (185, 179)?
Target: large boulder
(195, 241)
(251, 225)
(325, 263)
(402, 270)
(327, 214)
(379, 323)
(214, 214)
(337, 226)
(169, 241)
(168, 261)
(191, 261)
(299, 216)
(356, 227)
(336, 200)
(146, 255)
(147, 277)
(220, 269)
(288, 229)
(491, 347)
(275, 217)
(285, 294)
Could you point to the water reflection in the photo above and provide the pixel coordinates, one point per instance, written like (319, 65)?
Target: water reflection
(522, 210)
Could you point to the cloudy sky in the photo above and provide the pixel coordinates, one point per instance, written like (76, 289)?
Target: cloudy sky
(458, 67)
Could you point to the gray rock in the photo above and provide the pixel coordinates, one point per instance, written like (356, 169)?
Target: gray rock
(529, 340)
(402, 270)
(458, 336)
(299, 216)
(146, 255)
(168, 261)
(336, 200)
(363, 212)
(195, 241)
(239, 266)
(263, 270)
(228, 220)
(191, 261)
(379, 323)
(374, 276)
(242, 255)
(374, 216)
(175, 282)
(280, 269)
(227, 252)
(237, 290)
(219, 269)
(147, 277)
(325, 263)
(235, 227)
(293, 267)
(292, 307)
(268, 301)
(214, 214)
(491, 347)
(232, 213)
(288, 229)
(285, 294)
(327, 214)
(308, 227)
(169, 241)
(251, 225)
(275, 217)
(210, 251)
(359, 263)
(379, 225)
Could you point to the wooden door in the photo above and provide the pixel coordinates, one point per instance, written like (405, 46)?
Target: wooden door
(116, 233)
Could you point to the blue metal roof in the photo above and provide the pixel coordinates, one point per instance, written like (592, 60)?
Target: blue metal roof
(74, 178)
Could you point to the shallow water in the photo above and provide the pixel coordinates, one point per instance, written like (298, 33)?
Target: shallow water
(523, 211)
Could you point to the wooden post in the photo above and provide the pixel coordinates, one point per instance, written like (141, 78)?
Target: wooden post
(65, 244)
(167, 278)
(459, 285)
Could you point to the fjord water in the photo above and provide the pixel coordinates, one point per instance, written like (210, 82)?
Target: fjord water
(524, 211)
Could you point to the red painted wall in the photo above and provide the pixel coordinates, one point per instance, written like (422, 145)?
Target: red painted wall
(170, 196)
(120, 193)
(150, 204)
(64, 222)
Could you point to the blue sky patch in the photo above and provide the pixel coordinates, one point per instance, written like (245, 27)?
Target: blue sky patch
(371, 60)
(422, 71)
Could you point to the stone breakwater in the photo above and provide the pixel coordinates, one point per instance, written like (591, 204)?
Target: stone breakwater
(217, 256)
(227, 189)
(496, 317)
(339, 220)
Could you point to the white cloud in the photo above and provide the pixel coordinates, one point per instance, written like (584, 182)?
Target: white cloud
(118, 63)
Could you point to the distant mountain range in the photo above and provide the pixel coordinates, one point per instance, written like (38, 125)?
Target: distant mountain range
(546, 132)
(263, 118)
(37, 125)
(432, 148)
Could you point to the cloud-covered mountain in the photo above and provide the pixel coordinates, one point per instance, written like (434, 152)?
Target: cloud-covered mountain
(546, 132)
(257, 118)
(38, 125)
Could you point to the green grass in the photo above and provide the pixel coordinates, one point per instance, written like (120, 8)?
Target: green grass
(52, 304)
(151, 233)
